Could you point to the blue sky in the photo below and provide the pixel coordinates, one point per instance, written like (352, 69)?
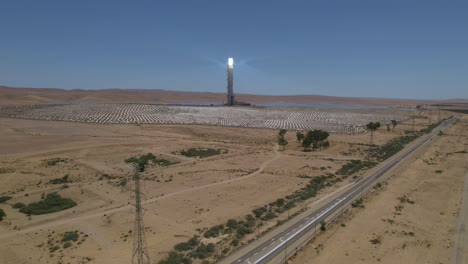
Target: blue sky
(374, 48)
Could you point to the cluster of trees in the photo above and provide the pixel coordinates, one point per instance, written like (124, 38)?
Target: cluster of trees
(313, 139)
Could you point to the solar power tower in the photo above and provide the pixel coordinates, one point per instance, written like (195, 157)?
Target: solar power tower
(230, 91)
(140, 250)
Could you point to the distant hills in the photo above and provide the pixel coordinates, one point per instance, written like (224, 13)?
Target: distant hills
(17, 95)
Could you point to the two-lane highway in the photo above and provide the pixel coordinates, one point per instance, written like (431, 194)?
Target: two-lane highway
(275, 249)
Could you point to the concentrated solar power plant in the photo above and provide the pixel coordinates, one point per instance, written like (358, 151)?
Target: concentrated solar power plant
(298, 118)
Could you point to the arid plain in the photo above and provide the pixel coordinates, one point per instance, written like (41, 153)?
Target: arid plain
(194, 194)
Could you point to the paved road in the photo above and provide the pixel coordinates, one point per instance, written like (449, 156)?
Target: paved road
(275, 249)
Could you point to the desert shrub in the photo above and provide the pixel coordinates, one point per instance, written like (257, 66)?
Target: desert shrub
(4, 199)
(189, 245)
(64, 179)
(231, 223)
(357, 203)
(70, 236)
(249, 218)
(405, 199)
(214, 231)
(323, 225)
(438, 171)
(2, 214)
(354, 166)
(242, 231)
(203, 251)
(123, 182)
(67, 245)
(176, 258)
(375, 241)
(289, 205)
(259, 212)
(280, 202)
(54, 248)
(143, 161)
(54, 161)
(268, 216)
(200, 152)
(235, 242)
(18, 205)
(250, 221)
(53, 202)
(6, 170)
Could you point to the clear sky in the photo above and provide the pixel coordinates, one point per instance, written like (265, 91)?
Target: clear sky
(363, 48)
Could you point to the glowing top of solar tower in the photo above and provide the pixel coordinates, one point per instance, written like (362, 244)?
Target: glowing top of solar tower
(230, 62)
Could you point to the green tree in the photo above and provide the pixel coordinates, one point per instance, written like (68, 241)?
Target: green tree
(281, 140)
(307, 140)
(299, 136)
(372, 126)
(317, 137)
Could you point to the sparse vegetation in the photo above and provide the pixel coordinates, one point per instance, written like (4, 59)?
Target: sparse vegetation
(70, 236)
(2, 214)
(142, 162)
(6, 170)
(4, 198)
(323, 225)
(55, 161)
(64, 179)
(200, 152)
(18, 205)
(52, 203)
(189, 245)
(376, 241)
(358, 203)
(176, 258)
(214, 231)
(355, 166)
(405, 199)
(203, 251)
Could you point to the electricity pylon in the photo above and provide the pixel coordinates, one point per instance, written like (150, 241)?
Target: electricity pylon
(140, 250)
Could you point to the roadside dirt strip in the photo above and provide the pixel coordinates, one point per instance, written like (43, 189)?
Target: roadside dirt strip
(461, 236)
(283, 242)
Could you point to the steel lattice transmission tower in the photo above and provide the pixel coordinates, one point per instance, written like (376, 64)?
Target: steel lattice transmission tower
(140, 249)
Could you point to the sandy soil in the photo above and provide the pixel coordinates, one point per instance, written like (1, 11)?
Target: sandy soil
(179, 199)
(9, 95)
(412, 219)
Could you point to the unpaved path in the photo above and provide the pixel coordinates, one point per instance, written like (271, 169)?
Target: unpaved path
(461, 236)
(111, 210)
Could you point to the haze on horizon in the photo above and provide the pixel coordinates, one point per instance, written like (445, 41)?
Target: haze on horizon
(385, 49)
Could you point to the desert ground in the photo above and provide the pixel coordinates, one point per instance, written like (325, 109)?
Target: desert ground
(191, 195)
(180, 200)
(413, 218)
